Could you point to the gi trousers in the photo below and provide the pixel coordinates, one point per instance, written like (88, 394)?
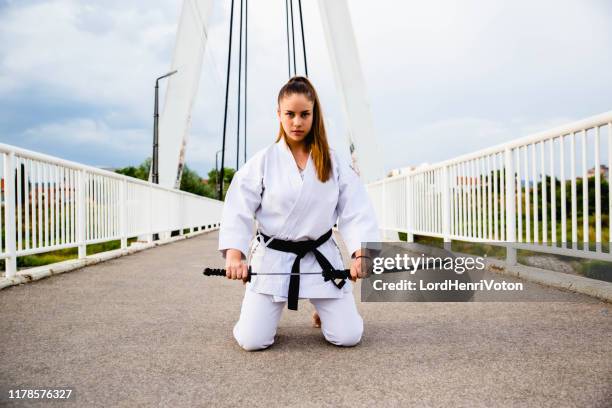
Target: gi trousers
(341, 323)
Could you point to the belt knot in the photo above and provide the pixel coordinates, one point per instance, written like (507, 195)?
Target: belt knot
(300, 249)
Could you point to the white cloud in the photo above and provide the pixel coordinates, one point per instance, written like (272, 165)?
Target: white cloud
(102, 53)
(417, 45)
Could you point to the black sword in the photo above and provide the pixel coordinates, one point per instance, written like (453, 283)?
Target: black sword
(331, 274)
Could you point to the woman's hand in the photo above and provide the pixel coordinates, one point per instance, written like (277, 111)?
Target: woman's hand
(234, 267)
(358, 265)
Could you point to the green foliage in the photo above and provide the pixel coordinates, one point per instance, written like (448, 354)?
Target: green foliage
(579, 194)
(192, 183)
(140, 172)
(597, 270)
(228, 176)
(190, 179)
(30, 261)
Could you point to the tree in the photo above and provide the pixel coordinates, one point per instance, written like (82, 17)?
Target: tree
(141, 172)
(190, 180)
(228, 176)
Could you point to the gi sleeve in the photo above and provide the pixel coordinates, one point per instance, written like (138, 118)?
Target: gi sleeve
(356, 217)
(243, 198)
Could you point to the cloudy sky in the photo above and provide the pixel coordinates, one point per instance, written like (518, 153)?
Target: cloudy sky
(444, 77)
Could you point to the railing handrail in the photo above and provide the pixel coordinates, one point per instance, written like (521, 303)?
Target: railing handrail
(435, 200)
(51, 204)
(5, 148)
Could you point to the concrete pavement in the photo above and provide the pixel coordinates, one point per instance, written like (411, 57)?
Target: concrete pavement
(149, 330)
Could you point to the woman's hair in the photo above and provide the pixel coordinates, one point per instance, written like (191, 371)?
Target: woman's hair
(316, 139)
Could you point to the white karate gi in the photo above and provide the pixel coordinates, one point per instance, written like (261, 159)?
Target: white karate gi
(286, 206)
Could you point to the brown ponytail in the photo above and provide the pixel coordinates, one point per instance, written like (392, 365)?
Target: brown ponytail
(316, 139)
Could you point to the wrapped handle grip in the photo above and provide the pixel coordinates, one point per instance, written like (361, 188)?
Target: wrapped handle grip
(214, 272)
(221, 272)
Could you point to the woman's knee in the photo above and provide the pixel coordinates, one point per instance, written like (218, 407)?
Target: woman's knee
(252, 340)
(346, 336)
(256, 327)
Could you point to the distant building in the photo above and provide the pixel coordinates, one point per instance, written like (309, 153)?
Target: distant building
(404, 170)
(471, 181)
(40, 191)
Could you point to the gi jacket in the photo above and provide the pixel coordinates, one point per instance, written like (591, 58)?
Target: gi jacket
(269, 193)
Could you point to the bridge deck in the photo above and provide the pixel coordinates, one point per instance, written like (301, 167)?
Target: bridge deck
(149, 329)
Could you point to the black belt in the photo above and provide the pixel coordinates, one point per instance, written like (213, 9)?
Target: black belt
(300, 249)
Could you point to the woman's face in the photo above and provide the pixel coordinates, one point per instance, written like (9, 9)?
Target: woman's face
(295, 114)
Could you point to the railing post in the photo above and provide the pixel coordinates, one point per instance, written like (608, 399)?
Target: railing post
(81, 214)
(9, 215)
(123, 213)
(445, 206)
(384, 212)
(510, 208)
(181, 212)
(150, 229)
(409, 210)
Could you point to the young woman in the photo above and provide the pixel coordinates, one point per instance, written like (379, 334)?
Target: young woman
(296, 189)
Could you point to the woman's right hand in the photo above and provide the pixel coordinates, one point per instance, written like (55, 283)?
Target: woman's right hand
(235, 268)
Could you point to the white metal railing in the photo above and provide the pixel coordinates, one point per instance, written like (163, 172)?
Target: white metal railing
(508, 193)
(50, 204)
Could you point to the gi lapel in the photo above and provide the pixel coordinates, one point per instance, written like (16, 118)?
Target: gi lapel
(303, 188)
(290, 166)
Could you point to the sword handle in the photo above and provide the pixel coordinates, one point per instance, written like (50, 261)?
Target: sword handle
(214, 272)
(221, 272)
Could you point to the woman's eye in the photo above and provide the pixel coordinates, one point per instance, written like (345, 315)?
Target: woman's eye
(305, 114)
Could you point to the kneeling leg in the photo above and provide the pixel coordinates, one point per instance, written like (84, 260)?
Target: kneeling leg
(258, 321)
(341, 323)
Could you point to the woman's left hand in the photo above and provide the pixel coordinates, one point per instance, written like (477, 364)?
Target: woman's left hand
(358, 267)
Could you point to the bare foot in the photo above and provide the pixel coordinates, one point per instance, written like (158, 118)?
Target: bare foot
(316, 320)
